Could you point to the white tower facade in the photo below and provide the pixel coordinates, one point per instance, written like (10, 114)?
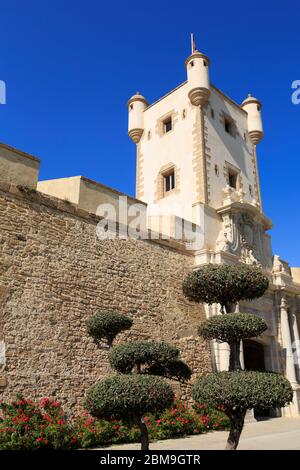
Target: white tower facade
(196, 161)
(196, 155)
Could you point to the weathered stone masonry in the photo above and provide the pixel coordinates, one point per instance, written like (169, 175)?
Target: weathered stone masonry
(54, 273)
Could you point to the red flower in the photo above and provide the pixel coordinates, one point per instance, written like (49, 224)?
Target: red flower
(55, 404)
(44, 402)
(204, 420)
(39, 439)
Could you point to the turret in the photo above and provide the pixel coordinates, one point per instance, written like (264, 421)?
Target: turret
(197, 65)
(255, 128)
(136, 106)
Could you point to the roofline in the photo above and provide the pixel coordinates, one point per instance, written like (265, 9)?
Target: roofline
(212, 86)
(19, 152)
(96, 183)
(119, 193)
(164, 96)
(229, 99)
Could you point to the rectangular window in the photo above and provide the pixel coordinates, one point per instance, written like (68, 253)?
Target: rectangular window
(229, 126)
(169, 181)
(167, 125)
(232, 179)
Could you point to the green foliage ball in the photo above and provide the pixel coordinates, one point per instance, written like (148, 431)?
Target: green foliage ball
(225, 284)
(128, 396)
(124, 357)
(232, 327)
(243, 389)
(105, 326)
(175, 370)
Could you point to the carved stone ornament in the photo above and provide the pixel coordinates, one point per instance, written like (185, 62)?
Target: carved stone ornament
(243, 236)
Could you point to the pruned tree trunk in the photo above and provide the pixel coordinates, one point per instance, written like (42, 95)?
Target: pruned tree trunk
(234, 358)
(237, 418)
(229, 308)
(142, 424)
(144, 435)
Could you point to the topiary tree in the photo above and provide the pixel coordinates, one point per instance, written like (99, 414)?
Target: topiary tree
(130, 397)
(139, 390)
(225, 284)
(125, 357)
(239, 391)
(174, 370)
(149, 357)
(232, 329)
(235, 390)
(105, 326)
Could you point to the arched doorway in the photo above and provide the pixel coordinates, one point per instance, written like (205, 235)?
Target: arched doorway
(254, 359)
(254, 355)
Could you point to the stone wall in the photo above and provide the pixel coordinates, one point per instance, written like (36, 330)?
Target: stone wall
(18, 167)
(54, 273)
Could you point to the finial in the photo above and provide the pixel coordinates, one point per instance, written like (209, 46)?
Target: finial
(193, 43)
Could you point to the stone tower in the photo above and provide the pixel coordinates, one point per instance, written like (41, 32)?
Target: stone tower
(197, 161)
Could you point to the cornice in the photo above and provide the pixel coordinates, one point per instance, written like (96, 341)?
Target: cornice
(237, 207)
(19, 152)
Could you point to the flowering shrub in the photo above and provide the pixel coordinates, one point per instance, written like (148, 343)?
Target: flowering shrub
(211, 418)
(178, 421)
(93, 432)
(28, 425)
(183, 420)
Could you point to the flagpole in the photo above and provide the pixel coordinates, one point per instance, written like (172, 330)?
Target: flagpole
(192, 42)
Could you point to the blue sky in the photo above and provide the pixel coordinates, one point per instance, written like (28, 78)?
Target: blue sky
(70, 67)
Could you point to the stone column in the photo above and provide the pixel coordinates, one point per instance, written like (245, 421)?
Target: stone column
(287, 342)
(296, 343)
(242, 355)
(224, 353)
(293, 409)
